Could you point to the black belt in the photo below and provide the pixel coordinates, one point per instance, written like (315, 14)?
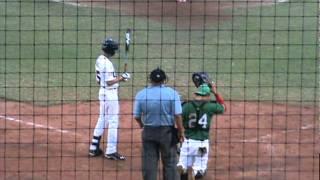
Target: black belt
(158, 126)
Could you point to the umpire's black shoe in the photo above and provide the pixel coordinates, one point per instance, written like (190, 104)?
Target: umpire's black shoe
(96, 152)
(115, 156)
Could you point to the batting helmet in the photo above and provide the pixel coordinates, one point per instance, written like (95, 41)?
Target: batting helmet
(109, 46)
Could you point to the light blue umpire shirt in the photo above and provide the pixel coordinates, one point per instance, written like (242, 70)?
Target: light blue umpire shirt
(157, 106)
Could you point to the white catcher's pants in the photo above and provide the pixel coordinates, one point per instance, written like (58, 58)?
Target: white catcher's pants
(190, 157)
(108, 118)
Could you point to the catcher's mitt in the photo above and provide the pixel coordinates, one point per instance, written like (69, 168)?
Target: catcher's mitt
(199, 78)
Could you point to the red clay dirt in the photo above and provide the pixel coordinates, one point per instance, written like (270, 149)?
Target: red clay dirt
(251, 141)
(195, 14)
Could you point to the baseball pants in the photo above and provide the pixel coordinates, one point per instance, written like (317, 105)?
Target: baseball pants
(108, 118)
(191, 157)
(156, 141)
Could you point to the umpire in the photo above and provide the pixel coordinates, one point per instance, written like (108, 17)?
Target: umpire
(157, 110)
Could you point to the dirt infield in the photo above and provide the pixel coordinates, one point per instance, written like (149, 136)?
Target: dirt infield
(194, 14)
(251, 141)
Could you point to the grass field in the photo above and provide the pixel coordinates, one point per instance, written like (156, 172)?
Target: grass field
(267, 53)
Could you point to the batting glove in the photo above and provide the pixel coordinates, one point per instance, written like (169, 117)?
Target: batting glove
(125, 76)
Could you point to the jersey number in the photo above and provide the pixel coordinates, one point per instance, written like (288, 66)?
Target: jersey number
(203, 121)
(98, 78)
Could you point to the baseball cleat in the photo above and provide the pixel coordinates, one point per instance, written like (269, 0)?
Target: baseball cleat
(115, 156)
(199, 174)
(96, 152)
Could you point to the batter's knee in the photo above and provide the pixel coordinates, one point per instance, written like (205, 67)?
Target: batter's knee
(113, 124)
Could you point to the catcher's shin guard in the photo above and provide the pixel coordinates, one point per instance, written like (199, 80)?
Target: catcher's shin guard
(95, 147)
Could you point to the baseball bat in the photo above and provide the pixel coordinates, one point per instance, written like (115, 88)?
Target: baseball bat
(127, 45)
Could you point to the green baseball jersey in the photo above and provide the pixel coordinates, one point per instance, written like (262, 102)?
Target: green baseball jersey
(197, 117)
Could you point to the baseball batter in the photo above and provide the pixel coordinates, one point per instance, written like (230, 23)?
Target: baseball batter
(197, 117)
(108, 80)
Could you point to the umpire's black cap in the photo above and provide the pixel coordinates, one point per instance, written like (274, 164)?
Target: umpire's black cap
(158, 75)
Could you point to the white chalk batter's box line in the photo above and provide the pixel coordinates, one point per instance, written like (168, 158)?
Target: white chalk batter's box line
(35, 124)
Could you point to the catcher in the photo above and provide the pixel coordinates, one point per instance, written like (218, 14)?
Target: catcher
(197, 117)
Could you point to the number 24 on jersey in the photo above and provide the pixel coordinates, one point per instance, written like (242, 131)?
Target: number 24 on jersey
(193, 121)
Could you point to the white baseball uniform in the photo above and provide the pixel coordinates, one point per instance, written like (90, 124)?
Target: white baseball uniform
(191, 157)
(109, 105)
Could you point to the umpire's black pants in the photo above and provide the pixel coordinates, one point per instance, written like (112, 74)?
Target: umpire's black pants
(158, 141)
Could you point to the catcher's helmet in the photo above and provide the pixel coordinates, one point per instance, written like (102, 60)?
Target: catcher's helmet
(199, 78)
(109, 46)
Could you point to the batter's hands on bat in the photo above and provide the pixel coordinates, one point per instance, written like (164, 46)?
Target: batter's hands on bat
(125, 76)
